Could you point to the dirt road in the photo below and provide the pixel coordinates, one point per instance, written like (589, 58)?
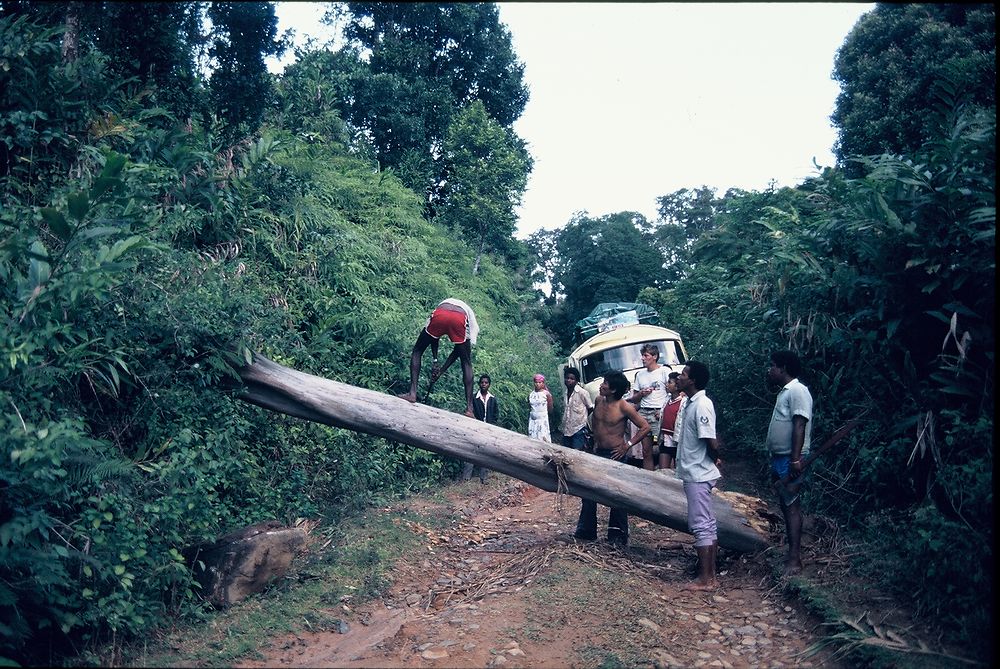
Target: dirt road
(505, 584)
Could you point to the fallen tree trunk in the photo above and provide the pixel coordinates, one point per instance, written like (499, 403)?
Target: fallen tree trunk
(650, 495)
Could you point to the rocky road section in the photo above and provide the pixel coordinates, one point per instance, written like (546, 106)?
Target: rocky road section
(504, 584)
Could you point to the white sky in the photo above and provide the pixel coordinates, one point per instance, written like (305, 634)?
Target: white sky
(630, 101)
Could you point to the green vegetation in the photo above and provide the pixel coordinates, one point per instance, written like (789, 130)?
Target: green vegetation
(141, 255)
(158, 225)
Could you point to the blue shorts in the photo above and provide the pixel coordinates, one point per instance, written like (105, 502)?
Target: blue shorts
(779, 469)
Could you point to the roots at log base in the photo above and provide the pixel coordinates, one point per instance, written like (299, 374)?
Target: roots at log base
(650, 495)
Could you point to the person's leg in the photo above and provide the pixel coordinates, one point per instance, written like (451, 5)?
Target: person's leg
(465, 355)
(650, 447)
(702, 524)
(467, 471)
(788, 496)
(586, 524)
(423, 341)
(647, 453)
(793, 528)
(618, 527)
(483, 474)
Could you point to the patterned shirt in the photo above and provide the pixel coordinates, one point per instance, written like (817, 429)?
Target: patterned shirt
(575, 416)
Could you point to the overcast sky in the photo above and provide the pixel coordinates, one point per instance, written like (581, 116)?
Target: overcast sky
(630, 101)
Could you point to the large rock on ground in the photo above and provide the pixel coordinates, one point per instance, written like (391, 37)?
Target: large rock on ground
(244, 562)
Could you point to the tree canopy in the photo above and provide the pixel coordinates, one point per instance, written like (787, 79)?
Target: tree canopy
(891, 66)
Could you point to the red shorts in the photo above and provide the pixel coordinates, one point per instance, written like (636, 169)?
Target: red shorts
(448, 322)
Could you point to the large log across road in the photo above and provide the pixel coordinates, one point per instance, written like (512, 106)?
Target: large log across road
(650, 495)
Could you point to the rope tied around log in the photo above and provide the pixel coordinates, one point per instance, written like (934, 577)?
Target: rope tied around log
(558, 462)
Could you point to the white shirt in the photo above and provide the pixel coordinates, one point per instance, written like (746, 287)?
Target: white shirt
(696, 424)
(657, 380)
(471, 326)
(792, 400)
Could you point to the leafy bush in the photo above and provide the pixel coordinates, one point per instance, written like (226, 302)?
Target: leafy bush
(152, 260)
(884, 285)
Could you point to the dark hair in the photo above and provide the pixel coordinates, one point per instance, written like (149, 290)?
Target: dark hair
(698, 372)
(618, 383)
(485, 376)
(652, 349)
(673, 375)
(788, 361)
(571, 370)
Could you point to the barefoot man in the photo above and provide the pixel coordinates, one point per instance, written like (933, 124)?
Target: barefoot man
(453, 318)
(697, 467)
(788, 438)
(611, 416)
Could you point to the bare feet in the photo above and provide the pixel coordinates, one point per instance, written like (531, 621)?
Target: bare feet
(409, 397)
(699, 586)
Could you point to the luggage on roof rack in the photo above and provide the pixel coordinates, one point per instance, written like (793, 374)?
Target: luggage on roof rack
(612, 315)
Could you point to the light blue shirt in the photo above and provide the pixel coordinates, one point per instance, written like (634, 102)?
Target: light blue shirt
(792, 400)
(697, 424)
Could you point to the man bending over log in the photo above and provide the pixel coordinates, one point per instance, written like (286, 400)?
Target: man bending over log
(611, 416)
(456, 319)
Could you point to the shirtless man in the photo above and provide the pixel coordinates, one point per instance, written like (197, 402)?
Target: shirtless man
(611, 416)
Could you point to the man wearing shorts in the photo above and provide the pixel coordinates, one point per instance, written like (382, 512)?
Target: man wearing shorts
(455, 319)
(788, 442)
(650, 394)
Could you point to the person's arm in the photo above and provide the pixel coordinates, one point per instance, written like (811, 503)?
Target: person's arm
(643, 429)
(548, 399)
(447, 363)
(714, 450)
(798, 440)
(589, 403)
(494, 413)
(436, 370)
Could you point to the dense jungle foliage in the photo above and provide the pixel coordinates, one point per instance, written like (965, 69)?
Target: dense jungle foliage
(159, 225)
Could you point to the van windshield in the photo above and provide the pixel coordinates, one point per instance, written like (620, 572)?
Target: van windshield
(627, 357)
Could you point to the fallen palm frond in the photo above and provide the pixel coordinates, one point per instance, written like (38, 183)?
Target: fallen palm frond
(855, 634)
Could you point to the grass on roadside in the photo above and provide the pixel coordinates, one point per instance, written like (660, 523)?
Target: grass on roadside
(346, 565)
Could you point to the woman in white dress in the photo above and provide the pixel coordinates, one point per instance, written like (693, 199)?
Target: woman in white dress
(540, 401)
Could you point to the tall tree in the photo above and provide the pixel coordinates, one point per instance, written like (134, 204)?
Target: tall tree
(887, 67)
(486, 168)
(683, 216)
(244, 33)
(158, 49)
(427, 61)
(605, 259)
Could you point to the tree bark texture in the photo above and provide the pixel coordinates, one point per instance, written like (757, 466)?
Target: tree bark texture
(650, 495)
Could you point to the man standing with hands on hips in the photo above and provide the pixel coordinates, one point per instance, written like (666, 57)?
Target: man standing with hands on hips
(788, 437)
